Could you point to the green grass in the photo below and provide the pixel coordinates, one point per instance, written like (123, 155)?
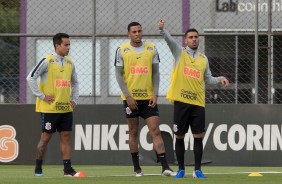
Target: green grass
(10, 174)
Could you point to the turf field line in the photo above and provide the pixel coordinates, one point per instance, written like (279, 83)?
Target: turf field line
(187, 174)
(249, 172)
(145, 175)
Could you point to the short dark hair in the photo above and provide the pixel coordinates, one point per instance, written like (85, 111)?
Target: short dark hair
(57, 39)
(191, 30)
(133, 24)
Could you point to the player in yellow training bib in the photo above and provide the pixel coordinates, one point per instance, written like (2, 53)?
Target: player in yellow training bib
(56, 97)
(137, 73)
(187, 92)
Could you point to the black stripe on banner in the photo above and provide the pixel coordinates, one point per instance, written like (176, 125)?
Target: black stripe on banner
(32, 74)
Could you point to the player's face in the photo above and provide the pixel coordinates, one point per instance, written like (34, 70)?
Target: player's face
(135, 34)
(63, 48)
(192, 40)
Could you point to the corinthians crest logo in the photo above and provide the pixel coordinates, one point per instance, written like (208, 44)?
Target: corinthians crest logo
(48, 126)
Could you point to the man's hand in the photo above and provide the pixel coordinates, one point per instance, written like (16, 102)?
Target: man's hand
(161, 24)
(73, 104)
(131, 102)
(224, 82)
(153, 101)
(49, 99)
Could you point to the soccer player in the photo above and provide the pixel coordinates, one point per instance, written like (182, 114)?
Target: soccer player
(57, 95)
(137, 73)
(187, 92)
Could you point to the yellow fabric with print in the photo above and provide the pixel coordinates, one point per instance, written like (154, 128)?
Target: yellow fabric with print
(138, 71)
(187, 80)
(58, 84)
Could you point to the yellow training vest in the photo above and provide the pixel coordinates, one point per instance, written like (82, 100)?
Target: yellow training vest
(138, 71)
(58, 84)
(187, 80)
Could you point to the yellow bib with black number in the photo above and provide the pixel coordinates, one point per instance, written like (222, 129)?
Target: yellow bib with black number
(138, 71)
(187, 80)
(58, 84)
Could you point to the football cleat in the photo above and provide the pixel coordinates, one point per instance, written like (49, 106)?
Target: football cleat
(70, 172)
(138, 173)
(180, 174)
(199, 174)
(168, 172)
(38, 173)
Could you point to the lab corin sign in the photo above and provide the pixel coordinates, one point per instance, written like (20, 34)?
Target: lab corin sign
(240, 6)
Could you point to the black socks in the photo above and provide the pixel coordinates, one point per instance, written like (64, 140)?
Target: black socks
(135, 160)
(179, 151)
(38, 164)
(198, 152)
(163, 160)
(67, 164)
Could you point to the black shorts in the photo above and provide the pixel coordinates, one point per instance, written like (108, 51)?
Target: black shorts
(144, 110)
(187, 114)
(52, 122)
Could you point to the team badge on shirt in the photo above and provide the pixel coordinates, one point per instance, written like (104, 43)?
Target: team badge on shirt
(51, 61)
(149, 48)
(126, 50)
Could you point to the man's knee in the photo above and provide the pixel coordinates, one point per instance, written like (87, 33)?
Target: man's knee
(155, 132)
(42, 144)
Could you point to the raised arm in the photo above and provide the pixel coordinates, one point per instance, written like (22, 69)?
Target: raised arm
(174, 47)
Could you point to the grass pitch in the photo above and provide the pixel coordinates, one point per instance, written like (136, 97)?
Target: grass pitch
(16, 174)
